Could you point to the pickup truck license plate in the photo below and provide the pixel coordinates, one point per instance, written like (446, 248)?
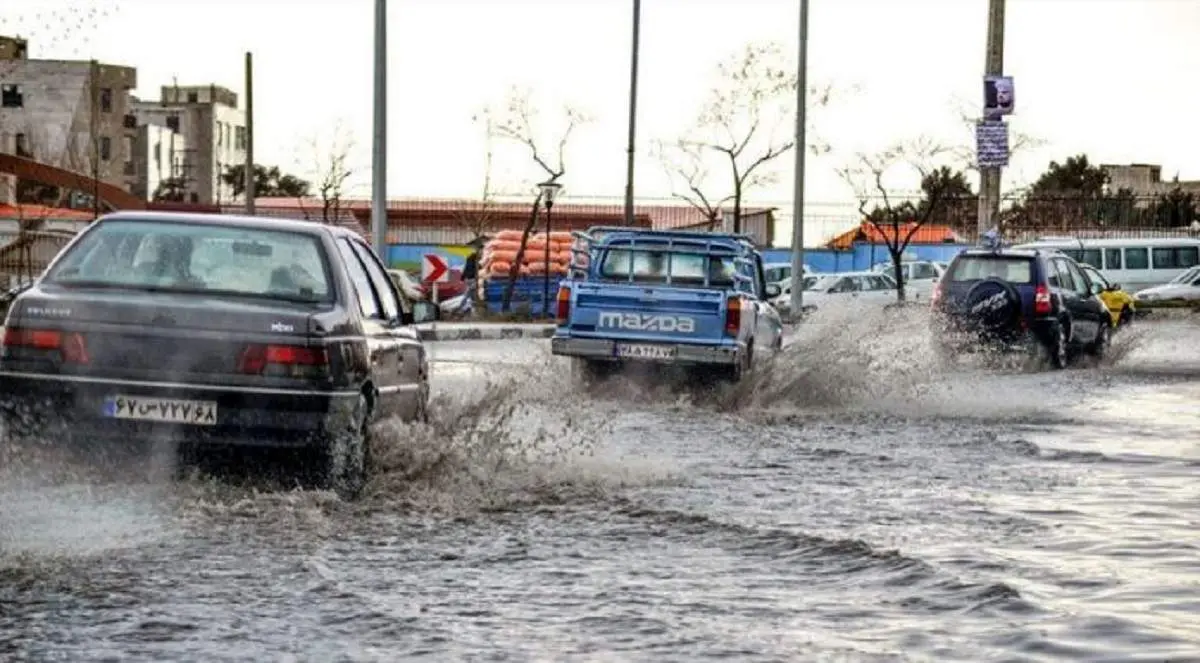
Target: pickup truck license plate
(643, 351)
(167, 410)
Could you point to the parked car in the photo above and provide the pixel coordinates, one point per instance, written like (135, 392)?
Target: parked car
(1183, 289)
(920, 276)
(850, 289)
(783, 301)
(1027, 300)
(215, 329)
(679, 298)
(778, 272)
(1121, 305)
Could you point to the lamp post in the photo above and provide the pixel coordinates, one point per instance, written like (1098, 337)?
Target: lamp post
(550, 190)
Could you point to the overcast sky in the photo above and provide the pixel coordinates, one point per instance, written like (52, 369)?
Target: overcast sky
(1113, 78)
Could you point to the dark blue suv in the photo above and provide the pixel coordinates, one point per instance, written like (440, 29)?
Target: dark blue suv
(1036, 301)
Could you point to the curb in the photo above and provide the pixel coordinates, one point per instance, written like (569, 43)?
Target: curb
(485, 332)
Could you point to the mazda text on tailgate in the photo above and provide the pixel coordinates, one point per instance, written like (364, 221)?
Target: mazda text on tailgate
(696, 300)
(206, 330)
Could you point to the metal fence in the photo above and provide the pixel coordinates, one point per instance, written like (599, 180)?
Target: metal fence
(25, 255)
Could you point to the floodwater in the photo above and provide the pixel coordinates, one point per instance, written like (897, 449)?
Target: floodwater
(854, 503)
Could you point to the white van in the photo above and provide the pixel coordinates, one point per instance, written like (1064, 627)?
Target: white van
(1133, 263)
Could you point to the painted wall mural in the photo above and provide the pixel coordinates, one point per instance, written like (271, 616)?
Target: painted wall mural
(408, 256)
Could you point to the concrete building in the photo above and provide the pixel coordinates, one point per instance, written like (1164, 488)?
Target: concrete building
(66, 113)
(213, 131)
(162, 159)
(1144, 180)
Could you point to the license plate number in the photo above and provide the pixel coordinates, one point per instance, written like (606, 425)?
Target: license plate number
(641, 351)
(166, 410)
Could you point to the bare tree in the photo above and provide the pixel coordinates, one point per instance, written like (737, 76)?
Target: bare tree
(515, 121)
(895, 217)
(331, 169)
(745, 124)
(687, 166)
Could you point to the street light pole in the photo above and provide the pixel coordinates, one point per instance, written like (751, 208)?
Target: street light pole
(379, 144)
(633, 89)
(549, 190)
(797, 299)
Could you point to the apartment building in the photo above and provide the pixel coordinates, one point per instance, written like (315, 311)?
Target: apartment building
(163, 163)
(66, 113)
(213, 136)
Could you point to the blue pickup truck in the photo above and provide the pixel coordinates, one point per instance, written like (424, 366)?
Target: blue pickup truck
(692, 299)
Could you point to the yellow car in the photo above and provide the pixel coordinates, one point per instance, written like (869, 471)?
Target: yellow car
(1120, 303)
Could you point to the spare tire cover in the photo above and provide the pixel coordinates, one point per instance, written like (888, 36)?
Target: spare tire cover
(992, 305)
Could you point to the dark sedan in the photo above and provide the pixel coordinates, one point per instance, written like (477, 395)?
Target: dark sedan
(213, 329)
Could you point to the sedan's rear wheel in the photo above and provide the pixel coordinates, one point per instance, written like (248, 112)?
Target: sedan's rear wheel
(343, 459)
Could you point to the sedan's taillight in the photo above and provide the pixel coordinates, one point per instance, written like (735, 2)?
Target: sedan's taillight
(292, 360)
(71, 347)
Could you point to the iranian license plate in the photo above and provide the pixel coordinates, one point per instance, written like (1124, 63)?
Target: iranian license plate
(166, 410)
(644, 351)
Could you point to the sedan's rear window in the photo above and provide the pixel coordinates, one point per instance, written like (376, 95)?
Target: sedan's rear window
(1017, 270)
(174, 256)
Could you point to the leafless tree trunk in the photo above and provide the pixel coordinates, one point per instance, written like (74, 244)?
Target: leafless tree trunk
(898, 222)
(515, 122)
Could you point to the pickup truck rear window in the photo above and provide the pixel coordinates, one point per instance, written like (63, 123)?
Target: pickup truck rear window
(1015, 269)
(197, 258)
(654, 267)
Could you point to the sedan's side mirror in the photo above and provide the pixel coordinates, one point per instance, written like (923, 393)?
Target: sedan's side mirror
(772, 290)
(425, 312)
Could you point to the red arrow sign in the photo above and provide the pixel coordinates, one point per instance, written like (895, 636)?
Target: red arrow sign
(434, 269)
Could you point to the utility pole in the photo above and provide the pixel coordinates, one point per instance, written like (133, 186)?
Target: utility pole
(989, 177)
(379, 220)
(248, 175)
(801, 150)
(633, 89)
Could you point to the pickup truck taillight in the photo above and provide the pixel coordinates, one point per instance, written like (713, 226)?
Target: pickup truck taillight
(733, 315)
(1041, 300)
(563, 309)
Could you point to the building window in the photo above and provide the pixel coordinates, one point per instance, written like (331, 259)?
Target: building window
(130, 121)
(173, 123)
(130, 168)
(220, 134)
(158, 154)
(193, 98)
(22, 146)
(239, 137)
(105, 148)
(105, 100)
(11, 97)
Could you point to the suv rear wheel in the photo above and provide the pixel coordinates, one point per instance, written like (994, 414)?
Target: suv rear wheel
(1054, 350)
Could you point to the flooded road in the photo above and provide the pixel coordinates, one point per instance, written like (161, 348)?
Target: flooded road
(852, 504)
